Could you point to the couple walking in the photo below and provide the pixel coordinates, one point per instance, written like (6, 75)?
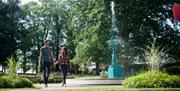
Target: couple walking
(46, 57)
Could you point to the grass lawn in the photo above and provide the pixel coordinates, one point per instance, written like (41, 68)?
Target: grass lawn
(95, 89)
(88, 77)
(19, 89)
(122, 89)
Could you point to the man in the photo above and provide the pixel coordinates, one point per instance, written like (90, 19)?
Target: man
(46, 57)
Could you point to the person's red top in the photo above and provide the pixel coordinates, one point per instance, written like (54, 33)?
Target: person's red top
(63, 59)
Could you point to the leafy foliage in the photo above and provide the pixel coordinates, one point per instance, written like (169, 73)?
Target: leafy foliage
(12, 67)
(152, 79)
(51, 79)
(9, 33)
(18, 82)
(45, 21)
(84, 25)
(173, 70)
(92, 23)
(142, 20)
(155, 55)
(13, 80)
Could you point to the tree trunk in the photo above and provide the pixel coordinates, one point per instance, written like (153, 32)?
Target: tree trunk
(97, 68)
(4, 67)
(37, 61)
(56, 18)
(24, 63)
(57, 45)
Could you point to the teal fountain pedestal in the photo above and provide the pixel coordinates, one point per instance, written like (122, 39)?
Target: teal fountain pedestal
(114, 70)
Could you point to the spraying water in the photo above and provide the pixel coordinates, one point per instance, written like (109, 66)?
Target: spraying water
(114, 70)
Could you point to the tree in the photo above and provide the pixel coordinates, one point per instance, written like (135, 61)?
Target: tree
(8, 28)
(45, 21)
(139, 21)
(91, 22)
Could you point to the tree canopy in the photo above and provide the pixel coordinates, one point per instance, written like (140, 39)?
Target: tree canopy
(83, 27)
(9, 28)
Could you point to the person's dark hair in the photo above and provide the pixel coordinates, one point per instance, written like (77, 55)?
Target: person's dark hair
(64, 51)
(46, 40)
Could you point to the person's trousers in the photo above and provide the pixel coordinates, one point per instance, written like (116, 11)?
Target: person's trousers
(46, 71)
(64, 69)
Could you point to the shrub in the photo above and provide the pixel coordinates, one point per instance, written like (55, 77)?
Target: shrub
(18, 82)
(171, 68)
(5, 83)
(12, 67)
(13, 80)
(51, 79)
(155, 55)
(152, 79)
(22, 82)
(103, 74)
(85, 71)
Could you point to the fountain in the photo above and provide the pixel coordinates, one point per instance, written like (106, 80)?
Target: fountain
(114, 70)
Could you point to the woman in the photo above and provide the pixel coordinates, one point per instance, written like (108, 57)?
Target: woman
(63, 59)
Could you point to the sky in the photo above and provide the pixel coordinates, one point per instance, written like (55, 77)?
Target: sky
(26, 1)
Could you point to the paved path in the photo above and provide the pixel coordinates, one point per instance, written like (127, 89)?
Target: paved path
(75, 84)
(82, 83)
(72, 86)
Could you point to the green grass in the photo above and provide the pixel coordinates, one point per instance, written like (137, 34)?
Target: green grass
(88, 77)
(20, 89)
(95, 89)
(122, 89)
